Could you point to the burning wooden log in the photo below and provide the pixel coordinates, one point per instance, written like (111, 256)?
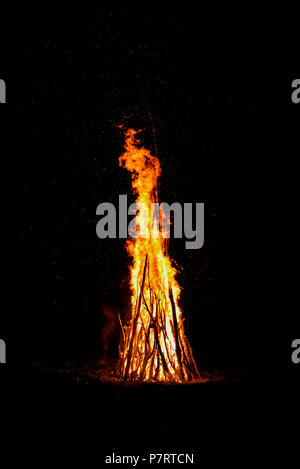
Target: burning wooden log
(134, 323)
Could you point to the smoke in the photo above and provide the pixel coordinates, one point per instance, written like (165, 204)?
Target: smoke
(109, 333)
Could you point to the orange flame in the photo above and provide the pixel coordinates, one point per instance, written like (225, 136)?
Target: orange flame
(154, 346)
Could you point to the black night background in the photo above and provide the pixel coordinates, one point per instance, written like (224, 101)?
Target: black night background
(211, 87)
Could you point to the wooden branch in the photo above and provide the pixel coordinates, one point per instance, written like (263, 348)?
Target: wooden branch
(178, 350)
(135, 322)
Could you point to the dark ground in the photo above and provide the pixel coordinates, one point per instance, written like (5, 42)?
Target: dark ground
(233, 418)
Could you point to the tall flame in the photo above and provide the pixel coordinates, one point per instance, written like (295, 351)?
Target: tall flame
(154, 346)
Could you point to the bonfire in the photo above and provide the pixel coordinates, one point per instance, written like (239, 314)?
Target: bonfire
(153, 346)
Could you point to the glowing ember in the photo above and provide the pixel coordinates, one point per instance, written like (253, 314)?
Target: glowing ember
(154, 346)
